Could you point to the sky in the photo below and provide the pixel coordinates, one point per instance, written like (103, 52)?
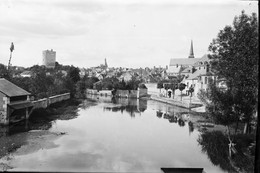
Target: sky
(129, 33)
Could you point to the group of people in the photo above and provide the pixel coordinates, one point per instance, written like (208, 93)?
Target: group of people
(188, 92)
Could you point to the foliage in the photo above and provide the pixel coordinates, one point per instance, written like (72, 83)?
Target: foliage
(109, 83)
(142, 86)
(46, 82)
(90, 81)
(220, 105)
(4, 72)
(71, 80)
(132, 84)
(235, 59)
(181, 86)
(160, 83)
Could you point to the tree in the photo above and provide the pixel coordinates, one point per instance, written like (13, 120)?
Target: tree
(160, 84)
(73, 74)
(71, 80)
(235, 58)
(4, 72)
(181, 88)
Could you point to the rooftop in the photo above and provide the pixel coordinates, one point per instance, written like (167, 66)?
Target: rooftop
(10, 89)
(188, 61)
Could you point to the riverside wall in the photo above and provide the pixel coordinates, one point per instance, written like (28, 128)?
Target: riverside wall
(120, 93)
(44, 103)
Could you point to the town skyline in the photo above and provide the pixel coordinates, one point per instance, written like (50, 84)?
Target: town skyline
(128, 34)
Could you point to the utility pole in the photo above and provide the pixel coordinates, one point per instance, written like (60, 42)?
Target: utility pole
(11, 51)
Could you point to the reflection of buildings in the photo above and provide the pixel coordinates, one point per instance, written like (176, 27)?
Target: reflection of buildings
(131, 106)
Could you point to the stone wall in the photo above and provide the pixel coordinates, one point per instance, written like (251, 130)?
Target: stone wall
(120, 93)
(4, 112)
(92, 91)
(105, 93)
(142, 92)
(123, 93)
(58, 98)
(1, 101)
(44, 103)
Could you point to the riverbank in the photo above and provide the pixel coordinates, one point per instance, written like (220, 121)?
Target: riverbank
(185, 103)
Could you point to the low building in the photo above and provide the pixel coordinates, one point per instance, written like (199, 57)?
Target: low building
(127, 76)
(26, 74)
(15, 104)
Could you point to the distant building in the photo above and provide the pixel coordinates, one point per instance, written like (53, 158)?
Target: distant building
(127, 76)
(49, 58)
(26, 74)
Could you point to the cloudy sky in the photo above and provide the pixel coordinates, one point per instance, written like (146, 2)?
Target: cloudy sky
(129, 33)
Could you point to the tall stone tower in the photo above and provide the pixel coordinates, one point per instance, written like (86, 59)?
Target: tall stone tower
(49, 58)
(191, 51)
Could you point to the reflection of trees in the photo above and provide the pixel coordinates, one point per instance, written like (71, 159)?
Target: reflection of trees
(191, 127)
(131, 106)
(171, 117)
(181, 122)
(215, 144)
(159, 114)
(131, 109)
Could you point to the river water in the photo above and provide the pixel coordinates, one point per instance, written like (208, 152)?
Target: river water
(120, 135)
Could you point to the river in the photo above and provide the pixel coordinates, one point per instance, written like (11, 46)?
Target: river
(122, 135)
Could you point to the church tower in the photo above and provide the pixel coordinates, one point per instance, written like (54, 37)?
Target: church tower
(191, 51)
(106, 63)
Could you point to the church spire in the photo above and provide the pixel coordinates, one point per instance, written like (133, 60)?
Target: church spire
(106, 62)
(191, 51)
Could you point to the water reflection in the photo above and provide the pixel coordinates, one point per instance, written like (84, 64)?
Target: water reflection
(131, 106)
(191, 127)
(215, 144)
(22, 126)
(179, 118)
(102, 139)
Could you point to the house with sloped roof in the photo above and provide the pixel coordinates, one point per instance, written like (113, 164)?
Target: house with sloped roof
(199, 79)
(26, 73)
(15, 103)
(127, 76)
